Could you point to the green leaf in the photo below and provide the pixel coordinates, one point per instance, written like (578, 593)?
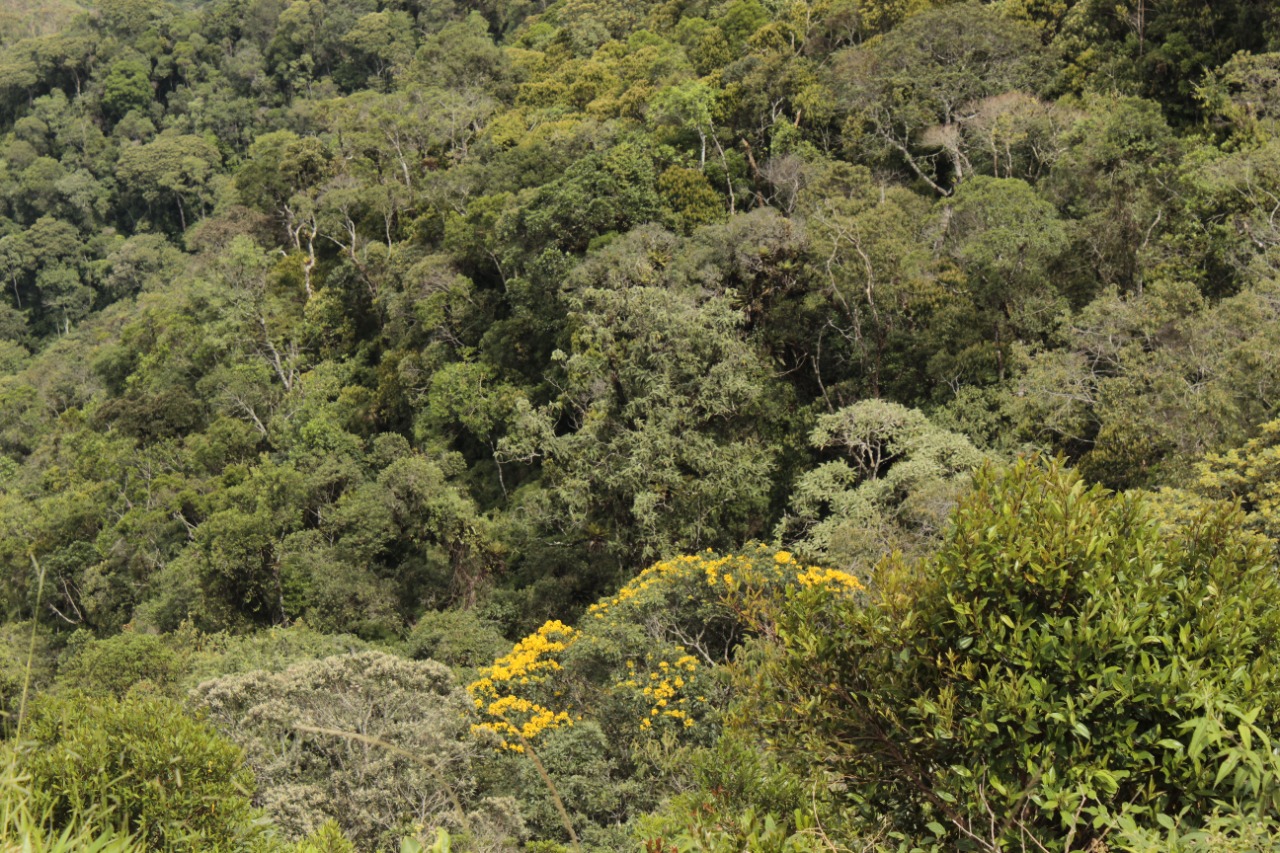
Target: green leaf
(1199, 738)
(1233, 758)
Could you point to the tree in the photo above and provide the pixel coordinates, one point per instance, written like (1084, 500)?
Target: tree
(909, 91)
(1115, 180)
(1243, 91)
(45, 264)
(688, 104)
(690, 198)
(602, 193)
(1149, 383)
(1160, 50)
(644, 672)
(1066, 666)
(376, 741)
(893, 488)
(385, 39)
(874, 289)
(1229, 232)
(142, 261)
(1006, 239)
(462, 55)
(1247, 474)
(661, 402)
(174, 169)
(127, 87)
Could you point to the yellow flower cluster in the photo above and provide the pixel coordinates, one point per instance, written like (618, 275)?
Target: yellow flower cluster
(729, 573)
(664, 571)
(833, 579)
(530, 655)
(716, 570)
(536, 720)
(526, 663)
(514, 700)
(663, 689)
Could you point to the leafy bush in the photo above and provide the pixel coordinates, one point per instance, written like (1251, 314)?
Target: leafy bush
(26, 659)
(376, 742)
(454, 638)
(171, 663)
(114, 665)
(1064, 666)
(273, 650)
(595, 791)
(142, 763)
(738, 793)
(329, 838)
(1250, 474)
(23, 830)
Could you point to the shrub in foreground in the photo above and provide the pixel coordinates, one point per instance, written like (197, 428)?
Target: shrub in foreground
(168, 779)
(1067, 666)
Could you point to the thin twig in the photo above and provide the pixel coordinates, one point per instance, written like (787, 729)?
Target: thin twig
(551, 786)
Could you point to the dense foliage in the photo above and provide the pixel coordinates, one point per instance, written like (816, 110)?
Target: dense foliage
(357, 356)
(1063, 663)
(172, 782)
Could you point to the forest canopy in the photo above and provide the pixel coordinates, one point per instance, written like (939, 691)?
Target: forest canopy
(897, 376)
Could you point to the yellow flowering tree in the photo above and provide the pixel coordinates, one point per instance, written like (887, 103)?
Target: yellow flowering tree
(610, 712)
(643, 659)
(502, 693)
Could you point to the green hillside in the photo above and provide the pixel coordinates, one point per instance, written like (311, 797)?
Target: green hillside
(760, 425)
(26, 19)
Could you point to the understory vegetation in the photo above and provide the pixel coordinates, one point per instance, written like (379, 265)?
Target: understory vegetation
(673, 425)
